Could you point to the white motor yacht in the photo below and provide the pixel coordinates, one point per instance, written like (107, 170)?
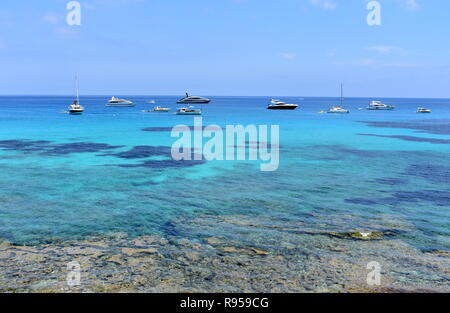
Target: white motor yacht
(116, 102)
(280, 105)
(188, 111)
(423, 110)
(378, 105)
(161, 109)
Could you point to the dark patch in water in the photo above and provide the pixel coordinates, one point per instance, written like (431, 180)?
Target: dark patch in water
(142, 152)
(412, 138)
(170, 229)
(362, 201)
(50, 149)
(157, 164)
(357, 152)
(339, 152)
(437, 197)
(391, 181)
(23, 145)
(78, 147)
(432, 126)
(432, 173)
(149, 183)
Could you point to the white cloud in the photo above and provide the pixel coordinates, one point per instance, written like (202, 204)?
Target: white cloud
(324, 4)
(385, 49)
(377, 64)
(66, 31)
(51, 18)
(363, 61)
(412, 5)
(288, 55)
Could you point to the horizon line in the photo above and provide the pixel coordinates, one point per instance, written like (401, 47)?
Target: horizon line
(235, 96)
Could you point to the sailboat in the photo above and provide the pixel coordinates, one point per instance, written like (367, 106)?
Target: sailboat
(339, 109)
(75, 108)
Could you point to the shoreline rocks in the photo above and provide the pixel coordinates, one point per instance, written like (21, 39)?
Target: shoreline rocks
(258, 258)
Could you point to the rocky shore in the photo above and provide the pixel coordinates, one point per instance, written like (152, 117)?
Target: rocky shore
(248, 254)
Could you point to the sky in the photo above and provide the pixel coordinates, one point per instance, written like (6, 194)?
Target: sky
(226, 47)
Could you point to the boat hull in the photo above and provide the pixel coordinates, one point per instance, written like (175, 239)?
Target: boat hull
(120, 105)
(194, 102)
(75, 112)
(188, 113)
(381, 109)
(282, 107)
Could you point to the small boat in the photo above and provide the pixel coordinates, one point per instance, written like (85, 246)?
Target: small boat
(75, 108)
(151, 101)
(280, 105)
(193, 99)
(160, 109)
(378, 105)
(423, 110)
(116, 102)
(339, 109)
(188, 111)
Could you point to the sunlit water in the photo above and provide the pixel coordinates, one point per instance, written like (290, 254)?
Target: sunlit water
(64, 177)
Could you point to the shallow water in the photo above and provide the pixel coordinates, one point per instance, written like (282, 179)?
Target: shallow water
(66, 177)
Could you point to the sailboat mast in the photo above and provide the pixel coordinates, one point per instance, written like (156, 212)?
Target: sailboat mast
(76, 86)
(342, 94)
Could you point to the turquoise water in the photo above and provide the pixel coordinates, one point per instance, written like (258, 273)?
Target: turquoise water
(65, 177)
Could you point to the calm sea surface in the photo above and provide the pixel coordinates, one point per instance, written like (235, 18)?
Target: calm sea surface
(65, 177)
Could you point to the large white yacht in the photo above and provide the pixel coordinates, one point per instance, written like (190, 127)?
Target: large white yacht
(75, 108)
(280, 105)
(116, 102)
(193, 99)
(378, 105)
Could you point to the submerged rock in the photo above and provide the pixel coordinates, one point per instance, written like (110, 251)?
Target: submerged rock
(441, 253)
(134, 251)
(367, 235)
(246, 250)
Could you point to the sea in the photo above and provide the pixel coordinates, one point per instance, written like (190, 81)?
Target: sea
(65, 177)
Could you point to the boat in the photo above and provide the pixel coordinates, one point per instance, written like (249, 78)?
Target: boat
(160, 109)
(339, 109)
(378, 105)
(423, 110)
(151, 101)
(116, 102)
(75, 108)
(193, 99)
(188, 111)
(280, 105)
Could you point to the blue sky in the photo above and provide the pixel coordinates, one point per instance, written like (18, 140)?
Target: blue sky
(226, 47)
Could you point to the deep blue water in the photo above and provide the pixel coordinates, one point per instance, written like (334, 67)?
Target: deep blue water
(65, 177)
